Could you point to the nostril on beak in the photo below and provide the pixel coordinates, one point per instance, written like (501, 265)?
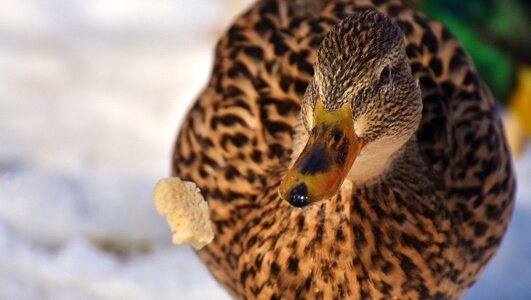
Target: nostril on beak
(299, 195)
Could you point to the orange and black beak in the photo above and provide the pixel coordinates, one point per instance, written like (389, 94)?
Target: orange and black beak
(326, 159)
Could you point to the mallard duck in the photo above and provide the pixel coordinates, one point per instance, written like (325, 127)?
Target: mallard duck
(347, 149)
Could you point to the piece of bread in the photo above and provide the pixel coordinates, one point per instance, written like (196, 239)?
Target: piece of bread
(185, 210)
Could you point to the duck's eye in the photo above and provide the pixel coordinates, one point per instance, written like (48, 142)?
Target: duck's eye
(385, 76)
(336, 135)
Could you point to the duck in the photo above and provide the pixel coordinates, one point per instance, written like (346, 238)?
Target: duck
(347, 149)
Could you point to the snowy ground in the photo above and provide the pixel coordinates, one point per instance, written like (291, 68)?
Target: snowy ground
(91, 93)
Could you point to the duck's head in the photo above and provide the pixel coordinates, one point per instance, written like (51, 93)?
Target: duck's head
(361, 107)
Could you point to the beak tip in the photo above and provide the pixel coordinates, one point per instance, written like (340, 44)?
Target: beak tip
(299, 195)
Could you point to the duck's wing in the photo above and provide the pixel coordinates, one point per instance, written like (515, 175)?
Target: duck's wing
(461, 137)
(239, 130)
(241, 126)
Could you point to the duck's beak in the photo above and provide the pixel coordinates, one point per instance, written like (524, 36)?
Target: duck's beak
(326, 159)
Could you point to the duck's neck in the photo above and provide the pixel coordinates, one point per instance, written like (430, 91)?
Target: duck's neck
(378, 159)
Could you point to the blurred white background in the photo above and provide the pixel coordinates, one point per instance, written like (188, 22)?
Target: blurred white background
(91, 94)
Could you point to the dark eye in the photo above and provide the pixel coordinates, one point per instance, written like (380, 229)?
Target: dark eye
(385, 76)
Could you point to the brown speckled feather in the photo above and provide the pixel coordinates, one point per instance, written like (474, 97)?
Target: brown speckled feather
(425, 231)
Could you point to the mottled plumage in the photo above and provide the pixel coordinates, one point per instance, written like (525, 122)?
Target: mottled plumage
(423, 229)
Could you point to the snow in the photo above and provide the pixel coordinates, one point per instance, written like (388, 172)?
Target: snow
(91, 94)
